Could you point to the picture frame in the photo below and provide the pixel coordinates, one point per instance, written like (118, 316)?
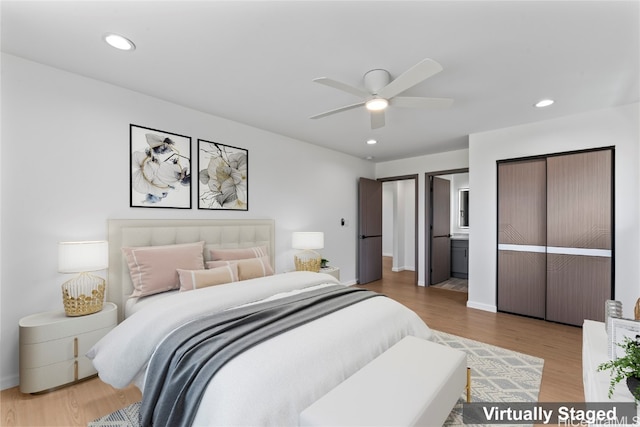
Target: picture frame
(223, 176)
(612, 308)
(619, 329)
(160, 168)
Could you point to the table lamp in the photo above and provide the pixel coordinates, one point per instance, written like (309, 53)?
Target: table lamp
(307, 259)
(84, 294)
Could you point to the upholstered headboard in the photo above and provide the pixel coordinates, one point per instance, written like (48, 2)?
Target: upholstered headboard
(216, 233)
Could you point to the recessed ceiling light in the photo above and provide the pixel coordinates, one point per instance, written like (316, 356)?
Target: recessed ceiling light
(119, 42)
(371, 141)
(544, 103)
(369, 158)
(376, 104)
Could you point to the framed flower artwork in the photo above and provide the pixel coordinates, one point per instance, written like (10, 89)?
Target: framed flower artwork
(160, 169)
(223, 181)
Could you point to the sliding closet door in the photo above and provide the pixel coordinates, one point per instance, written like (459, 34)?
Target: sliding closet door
(579, 221)
(522, 232)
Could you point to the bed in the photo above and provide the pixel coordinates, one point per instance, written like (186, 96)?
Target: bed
(271, 382)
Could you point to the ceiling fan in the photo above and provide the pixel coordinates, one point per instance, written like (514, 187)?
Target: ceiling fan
(381, 91)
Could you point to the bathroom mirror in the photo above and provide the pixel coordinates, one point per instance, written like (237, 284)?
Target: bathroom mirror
(463, 203)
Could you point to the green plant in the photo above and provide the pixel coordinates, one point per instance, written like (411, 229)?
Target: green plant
(324, 262)
(626, 366)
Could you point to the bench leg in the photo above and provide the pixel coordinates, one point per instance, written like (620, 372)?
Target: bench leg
(468, 385)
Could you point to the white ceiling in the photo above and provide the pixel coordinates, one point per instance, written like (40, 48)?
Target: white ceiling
(254, 61)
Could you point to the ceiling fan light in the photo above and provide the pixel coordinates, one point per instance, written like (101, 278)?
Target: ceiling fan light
(376, 104)
(119, 42)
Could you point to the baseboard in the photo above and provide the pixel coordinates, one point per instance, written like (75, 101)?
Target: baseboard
(9, 381)
(397, 269)
(484, 307)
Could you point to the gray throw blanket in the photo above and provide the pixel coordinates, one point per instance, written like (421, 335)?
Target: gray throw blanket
(187, 359)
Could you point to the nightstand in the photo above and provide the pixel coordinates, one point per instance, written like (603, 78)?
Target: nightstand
(53, 347)
(334, 271)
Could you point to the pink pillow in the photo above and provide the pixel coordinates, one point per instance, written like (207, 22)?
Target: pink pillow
(196, 279)
(153, 269)
(233, 254)
(247, 268)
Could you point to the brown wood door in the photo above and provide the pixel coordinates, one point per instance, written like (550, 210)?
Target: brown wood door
(579, 252)
(522, 237)
(440, 230)
(369, 230)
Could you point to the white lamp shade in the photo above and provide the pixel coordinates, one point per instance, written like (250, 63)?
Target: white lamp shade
(78, 257)
(307, 240)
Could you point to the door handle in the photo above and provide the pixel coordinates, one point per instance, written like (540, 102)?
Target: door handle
(362, 236)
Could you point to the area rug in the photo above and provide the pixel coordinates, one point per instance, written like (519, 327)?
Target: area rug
(497, 375)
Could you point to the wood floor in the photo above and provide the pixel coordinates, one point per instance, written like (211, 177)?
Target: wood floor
(453, 284)
(444, 310)
(559, 345)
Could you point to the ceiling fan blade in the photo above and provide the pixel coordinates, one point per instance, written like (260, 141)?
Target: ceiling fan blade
(337, 110)
(342, 86)
(418, 102)
(377, 119)
(414, 75)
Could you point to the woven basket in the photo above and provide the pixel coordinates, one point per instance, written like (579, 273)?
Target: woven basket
(307, 264)
(83, 295)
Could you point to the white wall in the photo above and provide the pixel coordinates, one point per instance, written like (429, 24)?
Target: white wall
(409, 230)
(388, 216)
(617, 127)
(65, 171)
(421, 165)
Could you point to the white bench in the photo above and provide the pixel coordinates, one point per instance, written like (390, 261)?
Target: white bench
(415, 382)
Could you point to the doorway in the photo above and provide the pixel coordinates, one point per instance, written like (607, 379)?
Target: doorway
(447, 229)
(400, 224)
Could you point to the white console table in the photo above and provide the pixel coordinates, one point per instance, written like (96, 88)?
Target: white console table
(594, 352)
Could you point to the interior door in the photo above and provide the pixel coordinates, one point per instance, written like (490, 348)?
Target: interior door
(369, 230)
(440, 230)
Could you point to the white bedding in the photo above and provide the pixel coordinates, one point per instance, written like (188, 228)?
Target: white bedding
(274, 381)
(133, 305)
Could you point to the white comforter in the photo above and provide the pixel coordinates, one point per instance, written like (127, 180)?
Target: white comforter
(274, 381)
